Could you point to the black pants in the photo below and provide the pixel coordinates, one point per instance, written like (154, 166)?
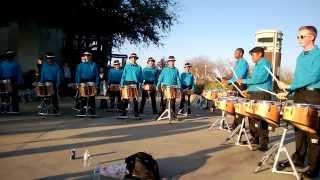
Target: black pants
(258, 127)
(304, 146)
(145, 95)
(54, 98)
(113, 95)
(183, 100)
(125, 102)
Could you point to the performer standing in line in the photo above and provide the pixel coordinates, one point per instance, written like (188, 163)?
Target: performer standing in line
(306, 88)
(187, 83)
(241, 70)
(132, 75)
(51, 72)
(114, 78)
(169, 77)
(150, 78)
(260, 78)
(11, 70)
(87, 71)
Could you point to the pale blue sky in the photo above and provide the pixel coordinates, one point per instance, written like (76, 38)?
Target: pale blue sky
(214, 29)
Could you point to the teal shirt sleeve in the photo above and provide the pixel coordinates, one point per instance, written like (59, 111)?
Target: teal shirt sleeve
(308, 75)
(193, 84)
(241, 70)
(109, 76)
(260, 74)
(140, 78)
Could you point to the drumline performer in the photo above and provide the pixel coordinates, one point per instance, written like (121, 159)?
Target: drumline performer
(260, 78)
(87, 71)
(306, 88)
(241, 70)
(150, 78)
(11, 70)
(114, 77)
(187, 84)
(169, 76)
(132, 75)
(51, 72)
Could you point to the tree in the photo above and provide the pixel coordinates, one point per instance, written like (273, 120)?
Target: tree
(106, 22)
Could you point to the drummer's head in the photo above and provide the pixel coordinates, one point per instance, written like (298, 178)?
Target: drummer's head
(171, 60)
(238, 53)
(151, 62)
(116, 64)
(133, 58)
(256, 54)
(50, 57)
(187, 67)
(307, 36)
(86, 56)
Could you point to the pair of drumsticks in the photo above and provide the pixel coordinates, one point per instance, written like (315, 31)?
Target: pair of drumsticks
(241, 92)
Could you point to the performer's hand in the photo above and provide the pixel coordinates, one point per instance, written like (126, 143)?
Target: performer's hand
(239, 81)
(224, 82)
(282, 85)
(282, 95)
(245, 94)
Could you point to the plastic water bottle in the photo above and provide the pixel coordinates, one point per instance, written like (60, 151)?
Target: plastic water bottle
(96, 173)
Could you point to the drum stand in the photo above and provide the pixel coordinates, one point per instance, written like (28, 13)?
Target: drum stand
(167, 111)
(5, 103)
(45, 106)
(185, 107)
(276, 149)
(76, 101)
(219, 124)
(87, 107)
(130, 111)
(240, 129)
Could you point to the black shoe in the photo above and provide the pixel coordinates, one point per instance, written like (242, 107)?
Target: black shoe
(92, 112)
(263, 149)
(310, 174)
(82, 111)
(123, 114)
(136, 114)
(286, 163)
(155, 112)
(189, 111)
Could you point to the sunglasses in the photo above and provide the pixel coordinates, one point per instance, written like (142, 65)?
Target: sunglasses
(303, 36)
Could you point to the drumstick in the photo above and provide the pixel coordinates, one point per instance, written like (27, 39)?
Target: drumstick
(235, 75)
(268, 70)
(218, 81)
(236, 87)
(267, 91)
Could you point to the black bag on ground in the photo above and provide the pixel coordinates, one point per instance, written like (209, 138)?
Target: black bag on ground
(142, 166)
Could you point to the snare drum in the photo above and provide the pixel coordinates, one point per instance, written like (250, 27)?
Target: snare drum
(114, 87)
(226, 104)
(87, 89)
(5, 86)
(129, 92)
(149, 87)
(269, 111)
(250, 107)
(227, 93)
(303, 116)
(45, 89)
(170, 92)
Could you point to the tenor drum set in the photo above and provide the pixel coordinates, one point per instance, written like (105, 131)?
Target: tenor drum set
(302, 116)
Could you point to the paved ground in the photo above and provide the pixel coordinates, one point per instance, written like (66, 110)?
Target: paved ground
(36, 148)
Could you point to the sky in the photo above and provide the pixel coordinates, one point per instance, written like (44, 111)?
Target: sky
(215, 28)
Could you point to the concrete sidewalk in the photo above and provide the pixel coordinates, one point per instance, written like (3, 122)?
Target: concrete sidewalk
(35, 148)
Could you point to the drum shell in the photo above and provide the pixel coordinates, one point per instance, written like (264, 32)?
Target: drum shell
(226, 105)
(87, 89)
(240, 109)
(304, 117)
(5, 86)
(170, 92)
(129, 92)
(269, 111)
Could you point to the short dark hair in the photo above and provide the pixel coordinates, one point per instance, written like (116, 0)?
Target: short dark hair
(241, 50)
(257, 49)
(312, 29)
